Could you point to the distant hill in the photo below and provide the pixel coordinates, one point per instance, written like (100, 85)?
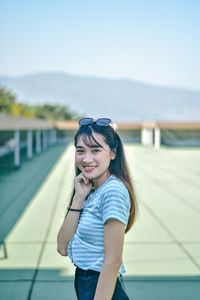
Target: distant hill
(119, 99)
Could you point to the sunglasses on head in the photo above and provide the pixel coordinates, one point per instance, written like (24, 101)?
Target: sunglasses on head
(99, 122)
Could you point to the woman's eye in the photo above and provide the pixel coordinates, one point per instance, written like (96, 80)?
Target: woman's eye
(79, 151)
(96, 150)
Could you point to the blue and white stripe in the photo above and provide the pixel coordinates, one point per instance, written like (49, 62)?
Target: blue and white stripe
(110, 200)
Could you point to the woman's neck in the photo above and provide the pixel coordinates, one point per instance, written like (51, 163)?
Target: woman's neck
(97, 182)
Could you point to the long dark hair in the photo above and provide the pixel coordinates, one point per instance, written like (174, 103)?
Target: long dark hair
(118, 166)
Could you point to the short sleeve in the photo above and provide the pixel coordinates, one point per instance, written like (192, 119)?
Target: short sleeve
(115, 203)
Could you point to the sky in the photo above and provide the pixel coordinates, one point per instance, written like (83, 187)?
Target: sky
(151, 41)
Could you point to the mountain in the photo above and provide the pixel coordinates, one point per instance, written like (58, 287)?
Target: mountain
(119, 99)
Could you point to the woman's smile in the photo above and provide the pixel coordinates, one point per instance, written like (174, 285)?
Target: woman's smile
(89, 168)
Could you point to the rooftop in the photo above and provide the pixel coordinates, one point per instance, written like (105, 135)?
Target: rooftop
(161, 251)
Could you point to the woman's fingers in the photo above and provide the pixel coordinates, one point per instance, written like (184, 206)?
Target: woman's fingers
(81, 177)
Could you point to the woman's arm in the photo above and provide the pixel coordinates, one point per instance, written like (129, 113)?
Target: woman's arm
(69, 226)
(68, 229)
(113, 248)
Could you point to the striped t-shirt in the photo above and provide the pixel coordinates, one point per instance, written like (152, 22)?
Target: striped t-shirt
(110, 200)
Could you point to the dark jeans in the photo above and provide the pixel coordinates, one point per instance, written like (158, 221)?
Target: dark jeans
(86, 282)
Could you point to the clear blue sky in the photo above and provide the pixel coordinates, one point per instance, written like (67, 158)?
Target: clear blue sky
(153, 41)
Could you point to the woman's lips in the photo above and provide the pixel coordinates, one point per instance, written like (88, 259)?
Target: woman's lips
(89, 169)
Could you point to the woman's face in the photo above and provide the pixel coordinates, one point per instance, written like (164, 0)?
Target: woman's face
(94, 161)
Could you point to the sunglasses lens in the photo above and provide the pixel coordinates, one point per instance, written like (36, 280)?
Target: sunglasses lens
(103, 122)
(85, 121)
(99, 122)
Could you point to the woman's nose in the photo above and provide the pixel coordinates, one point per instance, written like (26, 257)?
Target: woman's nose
(87, 158)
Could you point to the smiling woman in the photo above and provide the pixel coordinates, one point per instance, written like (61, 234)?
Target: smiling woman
(102, 209)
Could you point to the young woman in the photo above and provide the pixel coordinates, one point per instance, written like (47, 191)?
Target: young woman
(102, 209)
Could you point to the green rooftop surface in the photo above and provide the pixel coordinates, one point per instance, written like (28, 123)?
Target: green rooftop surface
(161, 251)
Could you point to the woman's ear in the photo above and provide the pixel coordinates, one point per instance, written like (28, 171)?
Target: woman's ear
(113, 155)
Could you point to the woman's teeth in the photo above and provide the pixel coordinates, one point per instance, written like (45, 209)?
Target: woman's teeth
(88, 168)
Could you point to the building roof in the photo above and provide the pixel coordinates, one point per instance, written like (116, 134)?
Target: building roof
(178, 125)
(67, 125)
(10, 122)
(70, 125)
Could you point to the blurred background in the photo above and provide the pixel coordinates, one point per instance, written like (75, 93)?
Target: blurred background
(137, 63)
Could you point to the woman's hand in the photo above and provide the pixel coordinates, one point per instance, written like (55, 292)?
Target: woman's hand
(83, 186)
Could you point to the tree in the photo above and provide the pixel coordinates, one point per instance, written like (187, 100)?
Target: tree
(50, 112)
(6, 100)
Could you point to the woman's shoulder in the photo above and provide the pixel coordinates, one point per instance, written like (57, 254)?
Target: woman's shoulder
(115, 184)
(116, 193)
